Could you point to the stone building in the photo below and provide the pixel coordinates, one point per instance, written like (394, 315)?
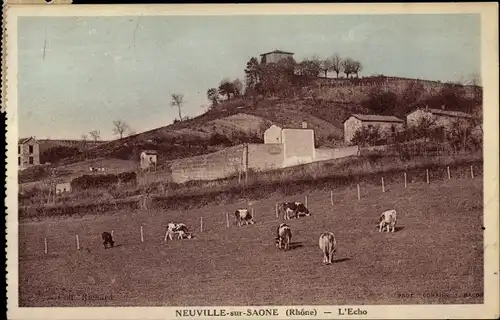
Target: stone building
(28, 153)
(440, 118)
(386, 125)
(275, 56)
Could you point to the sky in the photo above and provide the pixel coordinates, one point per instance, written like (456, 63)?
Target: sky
(77, 74)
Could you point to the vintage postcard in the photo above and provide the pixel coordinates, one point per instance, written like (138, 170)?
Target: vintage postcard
(252, 161)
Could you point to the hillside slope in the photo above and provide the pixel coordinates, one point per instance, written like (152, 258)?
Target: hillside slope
(323, 105)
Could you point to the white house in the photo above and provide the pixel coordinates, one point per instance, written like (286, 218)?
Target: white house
(28, 153)
(148, 159)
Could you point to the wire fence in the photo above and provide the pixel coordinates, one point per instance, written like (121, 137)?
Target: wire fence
(261, 212)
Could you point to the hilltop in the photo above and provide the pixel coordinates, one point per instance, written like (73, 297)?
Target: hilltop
(323, 103)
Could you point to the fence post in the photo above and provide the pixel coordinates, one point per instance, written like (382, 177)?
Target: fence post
(277, 213)
(77, 243)
(448, 169)
(359, 196)
(111, 233)
(142, 235)
(46, 248)
(201, 224)
(406, 183)
(227, 219)
(331, 197)
(253, 214)
(427, 174)
(305, 201)
(383, 186)
(471, 172)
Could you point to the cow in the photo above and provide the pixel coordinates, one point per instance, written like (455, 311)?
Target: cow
(328, 245)
(243, 215)
(181, 234)
(177, 228)
(388, 220)
(108, 240)
(294, 209)
(283, 236)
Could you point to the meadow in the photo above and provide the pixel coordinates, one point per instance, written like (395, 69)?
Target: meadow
(435, 255)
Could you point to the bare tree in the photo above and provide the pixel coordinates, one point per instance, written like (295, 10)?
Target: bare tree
(95, 134)
(178, 101)
(336, 63)
(120, 127)
(357, 67)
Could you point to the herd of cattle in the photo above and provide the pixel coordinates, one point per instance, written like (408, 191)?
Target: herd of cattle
(327, 242)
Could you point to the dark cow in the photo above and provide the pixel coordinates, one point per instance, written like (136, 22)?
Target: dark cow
(108, 240)
(294, 209)
(283, 236)
(243, 216)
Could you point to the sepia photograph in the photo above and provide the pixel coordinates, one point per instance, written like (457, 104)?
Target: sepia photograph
(271, 163)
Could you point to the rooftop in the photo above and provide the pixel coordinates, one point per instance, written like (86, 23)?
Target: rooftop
(149, 151)
(450, 113)
(24, 140)
(276, 51)
(375, 117)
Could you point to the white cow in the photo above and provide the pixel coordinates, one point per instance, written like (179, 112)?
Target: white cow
(328, 246)
(284, 236)
(388, 220)
(243, 215)
(177, 228)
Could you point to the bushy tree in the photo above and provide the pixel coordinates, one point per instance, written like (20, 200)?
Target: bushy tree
(366, 136)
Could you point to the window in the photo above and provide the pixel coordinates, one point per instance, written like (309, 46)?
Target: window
(18, 149)
(393, 129)
(31, 160)
(18, 161)
(31, 149)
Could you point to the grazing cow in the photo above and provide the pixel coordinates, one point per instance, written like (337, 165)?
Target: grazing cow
(388, 220)
(177, 228)
(243, 215)
(294, 209)
(283, 236)
(328, 245)
(181, 234)
(108, 240)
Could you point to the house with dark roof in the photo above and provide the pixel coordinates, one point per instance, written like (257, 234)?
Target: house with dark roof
(275, 56)
(28, 153)
(386, 125)
(440, 118)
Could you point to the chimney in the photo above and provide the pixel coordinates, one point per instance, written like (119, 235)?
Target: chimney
(304, 125)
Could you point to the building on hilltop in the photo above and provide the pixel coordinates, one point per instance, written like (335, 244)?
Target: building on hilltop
(386, 125)
(148, 159)
(28, 153)
(440, 118)
(275, 56)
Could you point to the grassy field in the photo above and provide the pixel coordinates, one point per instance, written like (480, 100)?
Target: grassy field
(436, 255)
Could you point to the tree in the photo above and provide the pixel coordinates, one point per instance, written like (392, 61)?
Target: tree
(178, 101)
(326, 65)
(95, 135)
(357, 67)
(348, 66)
(226, 88)
(213, 96)
(423, 128)
(309, 68)
(366, 136)
(336, 63)
(381, 102)
(252, 71)
(237, 87)
(119, 127)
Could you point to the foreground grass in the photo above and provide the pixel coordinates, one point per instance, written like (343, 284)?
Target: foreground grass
(437, 251)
